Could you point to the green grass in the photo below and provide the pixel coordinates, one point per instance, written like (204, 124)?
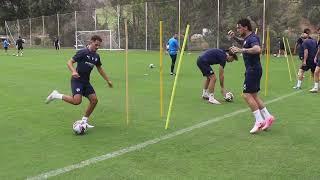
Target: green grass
(36, 138)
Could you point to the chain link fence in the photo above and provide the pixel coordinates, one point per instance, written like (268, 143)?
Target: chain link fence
(209, 22)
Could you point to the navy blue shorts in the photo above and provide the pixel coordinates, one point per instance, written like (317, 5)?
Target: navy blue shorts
(252, 80)
(80, 87)
(204, 67)
(310, 65)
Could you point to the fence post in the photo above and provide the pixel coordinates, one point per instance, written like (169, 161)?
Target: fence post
(146, 18)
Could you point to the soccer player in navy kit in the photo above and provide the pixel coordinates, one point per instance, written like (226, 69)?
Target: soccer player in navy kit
(281, 48)
(251, 54)
(316, 60)
(211, 57)
(298, 46)
(309, 52)
(56, 43)
(86, 59)
(19, 44)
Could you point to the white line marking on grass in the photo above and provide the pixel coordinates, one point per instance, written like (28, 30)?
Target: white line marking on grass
(145, 144)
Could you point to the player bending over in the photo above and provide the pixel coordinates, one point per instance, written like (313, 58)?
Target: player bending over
(204, 62)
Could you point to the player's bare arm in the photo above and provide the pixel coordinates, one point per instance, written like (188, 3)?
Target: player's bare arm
(256, 49)
(235, 38)
(72, 69)
(221, 80)
(305, 56)
(317, 55)
(104, 75)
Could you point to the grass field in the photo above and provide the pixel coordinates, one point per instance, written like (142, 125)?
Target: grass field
(37, 138)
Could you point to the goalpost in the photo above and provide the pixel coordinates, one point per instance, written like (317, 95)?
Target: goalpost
(108, 39)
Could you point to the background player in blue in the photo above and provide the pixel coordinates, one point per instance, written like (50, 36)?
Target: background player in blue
(19, 44)
(5, 44)
(173, 51)
(211, 57)
(309, 52)
(86, 59)
(251, 54)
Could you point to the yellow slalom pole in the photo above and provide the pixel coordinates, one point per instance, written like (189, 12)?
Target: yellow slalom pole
(285, 48)
(267, 56)
(161, 72)
(127, 81)
(291, 57)
(177, 76)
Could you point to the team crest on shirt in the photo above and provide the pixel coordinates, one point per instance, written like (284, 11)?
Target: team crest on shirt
(78, 89)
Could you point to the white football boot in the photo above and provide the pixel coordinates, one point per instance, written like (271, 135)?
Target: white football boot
(314, 90)
(52, 96)
(212, 100)
(257, 127)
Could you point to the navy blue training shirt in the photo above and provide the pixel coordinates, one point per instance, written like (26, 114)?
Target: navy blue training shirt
(251, 60)
(311, 45)
(86, 60)
(214, 56)
(300, 49)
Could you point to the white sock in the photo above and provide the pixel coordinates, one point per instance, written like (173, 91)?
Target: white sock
(85, 119)
(258, 116)
(299, 83)
(316, 85)
(204, 91)
(211, 95)
(265, 113)
(58, 96)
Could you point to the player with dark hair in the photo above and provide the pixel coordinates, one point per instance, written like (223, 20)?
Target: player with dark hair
(19, 44)
(86, 59)
(298, 46)
(309, 52)
(204, 62)
(281, 49)
(56, 43)
(251, 51)
(317, 71)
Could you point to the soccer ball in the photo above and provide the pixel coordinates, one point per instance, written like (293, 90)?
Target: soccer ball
(229, 97)
(79, 127)
(152, 66)
(23, 40)
(274, 55)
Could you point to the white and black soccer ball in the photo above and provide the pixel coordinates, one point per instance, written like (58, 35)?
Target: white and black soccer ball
(229, 97)
(152, 66)
(23, 40)
(79, 127)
